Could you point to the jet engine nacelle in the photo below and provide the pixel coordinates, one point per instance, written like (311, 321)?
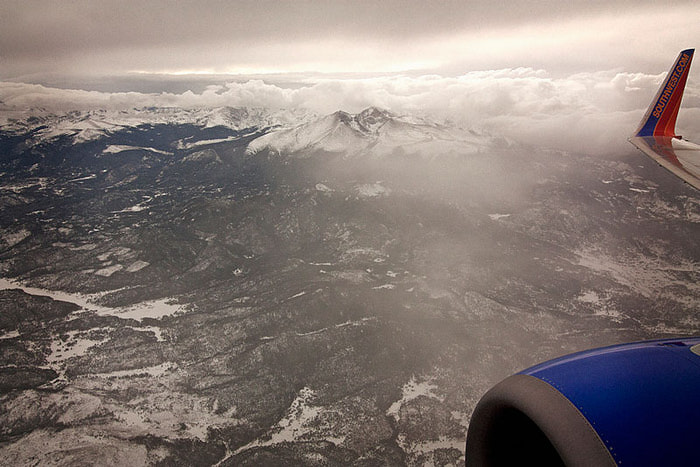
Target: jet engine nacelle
(629, 405)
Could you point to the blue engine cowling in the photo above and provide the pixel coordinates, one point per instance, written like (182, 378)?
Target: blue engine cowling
(629, 405)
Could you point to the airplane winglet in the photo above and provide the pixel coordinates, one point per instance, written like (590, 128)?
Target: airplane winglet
(656, 135)
(660, 118)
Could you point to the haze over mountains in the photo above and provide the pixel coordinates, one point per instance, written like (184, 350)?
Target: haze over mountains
(244, 286)
(586, 112)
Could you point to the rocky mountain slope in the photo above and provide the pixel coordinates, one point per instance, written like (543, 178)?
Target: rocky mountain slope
(372, 132)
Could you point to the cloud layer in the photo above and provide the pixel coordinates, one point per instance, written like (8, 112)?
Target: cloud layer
(252, 36)
(591, 112)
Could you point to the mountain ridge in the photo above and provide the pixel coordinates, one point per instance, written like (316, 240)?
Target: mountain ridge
(373, 132)
(89, 125)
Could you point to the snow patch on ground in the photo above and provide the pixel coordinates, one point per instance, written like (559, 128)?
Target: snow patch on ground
(137, 266)
(423, 450)
(177, 416)
(150, 309)
(9, 335)
(294, 425)
(135, 208)
(117, 148)
(108, 271)
(639, 190)
(41, 183)
(82, 179)
(650, 278)
(340, 325)
(590, 296)
(642, 275)
(78, 299)
(600, 305)
(155, 371)
(155, 309)
(84, 247)
(181, 144)
(411, 390)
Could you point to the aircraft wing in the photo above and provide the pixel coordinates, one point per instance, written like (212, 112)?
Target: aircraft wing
(681, 157)
(656, 135)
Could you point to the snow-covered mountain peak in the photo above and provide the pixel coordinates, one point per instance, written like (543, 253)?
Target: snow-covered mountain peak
(366, 122)
(373, 132)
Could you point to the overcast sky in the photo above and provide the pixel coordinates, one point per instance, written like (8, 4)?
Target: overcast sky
(571, 74)
(446, 37)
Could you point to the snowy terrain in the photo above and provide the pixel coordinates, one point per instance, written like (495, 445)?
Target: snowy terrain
(244, 287)
(373, 132)
(84, 126)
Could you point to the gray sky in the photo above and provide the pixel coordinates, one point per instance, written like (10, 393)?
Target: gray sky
(446, 37)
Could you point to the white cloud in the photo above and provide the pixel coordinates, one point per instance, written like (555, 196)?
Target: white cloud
(592, 112)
